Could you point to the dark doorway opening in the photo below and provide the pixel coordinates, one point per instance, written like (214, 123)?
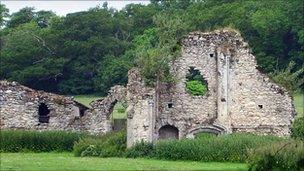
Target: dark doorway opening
(43, 112)
(168, 132)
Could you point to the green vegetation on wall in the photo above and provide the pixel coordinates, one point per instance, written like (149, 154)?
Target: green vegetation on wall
(196, 85)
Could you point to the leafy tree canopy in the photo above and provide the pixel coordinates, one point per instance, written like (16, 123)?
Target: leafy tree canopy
(90, 51)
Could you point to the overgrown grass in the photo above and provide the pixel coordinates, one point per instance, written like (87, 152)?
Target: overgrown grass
(66, 161)
(232, 148)
(34, 141)
(287, 155)
(109, 145)
(226, 148)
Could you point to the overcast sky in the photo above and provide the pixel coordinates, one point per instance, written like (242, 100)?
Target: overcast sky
(64, 7)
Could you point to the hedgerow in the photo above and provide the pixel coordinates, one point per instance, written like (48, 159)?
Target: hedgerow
(226, 148)
(35, 141)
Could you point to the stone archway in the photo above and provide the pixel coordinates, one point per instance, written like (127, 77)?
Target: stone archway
(213, 129)
(168, 132)
(99, 119)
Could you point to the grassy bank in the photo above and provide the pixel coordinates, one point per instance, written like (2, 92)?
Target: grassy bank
(66, 161)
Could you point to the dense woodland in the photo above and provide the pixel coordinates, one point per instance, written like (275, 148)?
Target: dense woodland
(88, 52)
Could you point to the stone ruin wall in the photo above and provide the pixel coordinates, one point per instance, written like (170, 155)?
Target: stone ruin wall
(239, 99)
(97, 120)
(19, 110)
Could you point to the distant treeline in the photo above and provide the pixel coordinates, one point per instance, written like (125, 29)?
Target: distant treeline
(88, 52)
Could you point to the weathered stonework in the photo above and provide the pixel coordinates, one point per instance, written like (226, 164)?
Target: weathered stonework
(19, 109)
(239, 97)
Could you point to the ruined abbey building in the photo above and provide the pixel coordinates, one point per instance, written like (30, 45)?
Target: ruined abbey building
(238, 98)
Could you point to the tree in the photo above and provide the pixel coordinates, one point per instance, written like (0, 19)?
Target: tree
(4, 14)
(28, 58)
(24, 15)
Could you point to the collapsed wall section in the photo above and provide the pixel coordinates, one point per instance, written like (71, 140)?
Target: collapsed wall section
(25, 108)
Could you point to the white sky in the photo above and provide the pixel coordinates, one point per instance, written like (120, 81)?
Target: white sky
(64, 7)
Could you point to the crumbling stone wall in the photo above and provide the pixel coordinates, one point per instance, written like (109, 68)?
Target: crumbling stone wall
(239, 97)
(19, 107)
(97, 120)
(141, 109)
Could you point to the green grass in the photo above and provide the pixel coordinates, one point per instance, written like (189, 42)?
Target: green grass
(118, 112)
(66, 161)
(86, 99)
(299, 104)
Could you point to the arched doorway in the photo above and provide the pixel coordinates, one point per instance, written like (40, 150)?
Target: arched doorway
(43, 112)
(117, 116)
(168, 132)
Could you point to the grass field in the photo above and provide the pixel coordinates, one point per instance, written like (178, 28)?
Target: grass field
(66, 161)
(299, 104)
(86, 99)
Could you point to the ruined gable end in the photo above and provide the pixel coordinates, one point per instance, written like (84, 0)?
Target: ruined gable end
(25, 108)
(233, 96)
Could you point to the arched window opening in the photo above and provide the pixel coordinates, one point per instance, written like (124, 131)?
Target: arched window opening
(43, 112)
(196, 85)
(168, 132)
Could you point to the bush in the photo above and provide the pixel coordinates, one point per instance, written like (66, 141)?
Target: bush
(35, 141)
(232, 148)
(141, 149)
(206, 147)
(196, 88)
(109, 145)
(297, 130)
(287, 155)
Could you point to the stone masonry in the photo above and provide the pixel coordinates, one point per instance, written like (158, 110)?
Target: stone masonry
(239, 97)
(20, 108)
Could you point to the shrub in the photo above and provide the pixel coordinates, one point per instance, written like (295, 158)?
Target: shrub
(290, 78)
(206, 147)
(287, 155)
(141, 149)
(35, 141)
(109, 145)
(196, 88)
(232, 148)
(297, 130)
